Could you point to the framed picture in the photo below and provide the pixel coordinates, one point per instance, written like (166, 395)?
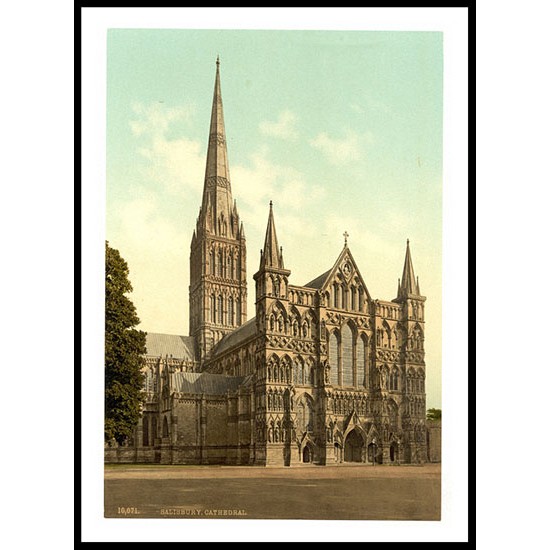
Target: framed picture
(274, 242)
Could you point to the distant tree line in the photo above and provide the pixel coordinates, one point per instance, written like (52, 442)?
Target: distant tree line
(433, 414)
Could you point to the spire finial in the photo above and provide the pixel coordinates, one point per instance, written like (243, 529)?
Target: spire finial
(218, 60)
(407, 242)
(271, 204)
(346, 235)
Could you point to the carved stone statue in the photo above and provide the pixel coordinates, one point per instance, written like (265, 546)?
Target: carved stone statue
(383, 379)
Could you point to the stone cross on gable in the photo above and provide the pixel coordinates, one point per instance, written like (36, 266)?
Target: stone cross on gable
(346, 235)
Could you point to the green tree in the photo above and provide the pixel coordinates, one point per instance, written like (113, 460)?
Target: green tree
(124, 351)
(433, 414)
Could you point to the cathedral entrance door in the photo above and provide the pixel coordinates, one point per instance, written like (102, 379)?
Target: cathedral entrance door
(306, 456)
(353, 447)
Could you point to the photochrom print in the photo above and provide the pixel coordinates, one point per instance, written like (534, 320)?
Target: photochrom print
(273, 274)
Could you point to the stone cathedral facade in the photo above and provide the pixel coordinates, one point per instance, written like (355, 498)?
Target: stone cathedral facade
(321, 373)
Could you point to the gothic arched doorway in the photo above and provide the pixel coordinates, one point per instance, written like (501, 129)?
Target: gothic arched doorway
(353, 447)
(307, 454)
(393, 452)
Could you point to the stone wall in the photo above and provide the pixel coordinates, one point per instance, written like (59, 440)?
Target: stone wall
(433, 436)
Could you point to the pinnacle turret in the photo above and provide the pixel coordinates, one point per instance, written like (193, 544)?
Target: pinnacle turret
(408, 285)
(272, 255)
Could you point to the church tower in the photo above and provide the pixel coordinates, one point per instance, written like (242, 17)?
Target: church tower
(217, 290)
(413, 366)
(273, 376)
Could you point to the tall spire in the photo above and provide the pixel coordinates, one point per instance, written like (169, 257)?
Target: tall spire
(217, 185)
(272, 255)
(217, 282)
(409, 283)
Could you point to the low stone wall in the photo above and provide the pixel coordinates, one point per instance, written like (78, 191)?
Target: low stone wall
(178, 454)
(433, 437)
(129, 455)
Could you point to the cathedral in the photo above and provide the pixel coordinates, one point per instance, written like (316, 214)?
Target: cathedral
(322, 373)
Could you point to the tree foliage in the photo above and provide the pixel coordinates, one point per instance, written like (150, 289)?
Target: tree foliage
(124, 351)
(433, 414)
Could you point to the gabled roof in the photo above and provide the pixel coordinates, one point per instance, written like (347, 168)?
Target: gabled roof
(322, 281)
(178, 347)
(319, 281)
(205, 382)
(234, 338)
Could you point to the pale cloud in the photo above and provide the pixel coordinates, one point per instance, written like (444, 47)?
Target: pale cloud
(156, 118)
(176, 164)
(261, 180)
(284, 127)
(341, 151)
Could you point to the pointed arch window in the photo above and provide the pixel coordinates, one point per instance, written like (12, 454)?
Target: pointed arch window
(336, 292)
(220, 310)
(362, 361)
(300, 377)
(230, 312)
(212, 262)
(230, 267)
(348, 359)
(212, 308)
(153, 430)
(220, 264)
(309, 415)
(311, 375)
(333, 358)
(394, 380)
(145, 431)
